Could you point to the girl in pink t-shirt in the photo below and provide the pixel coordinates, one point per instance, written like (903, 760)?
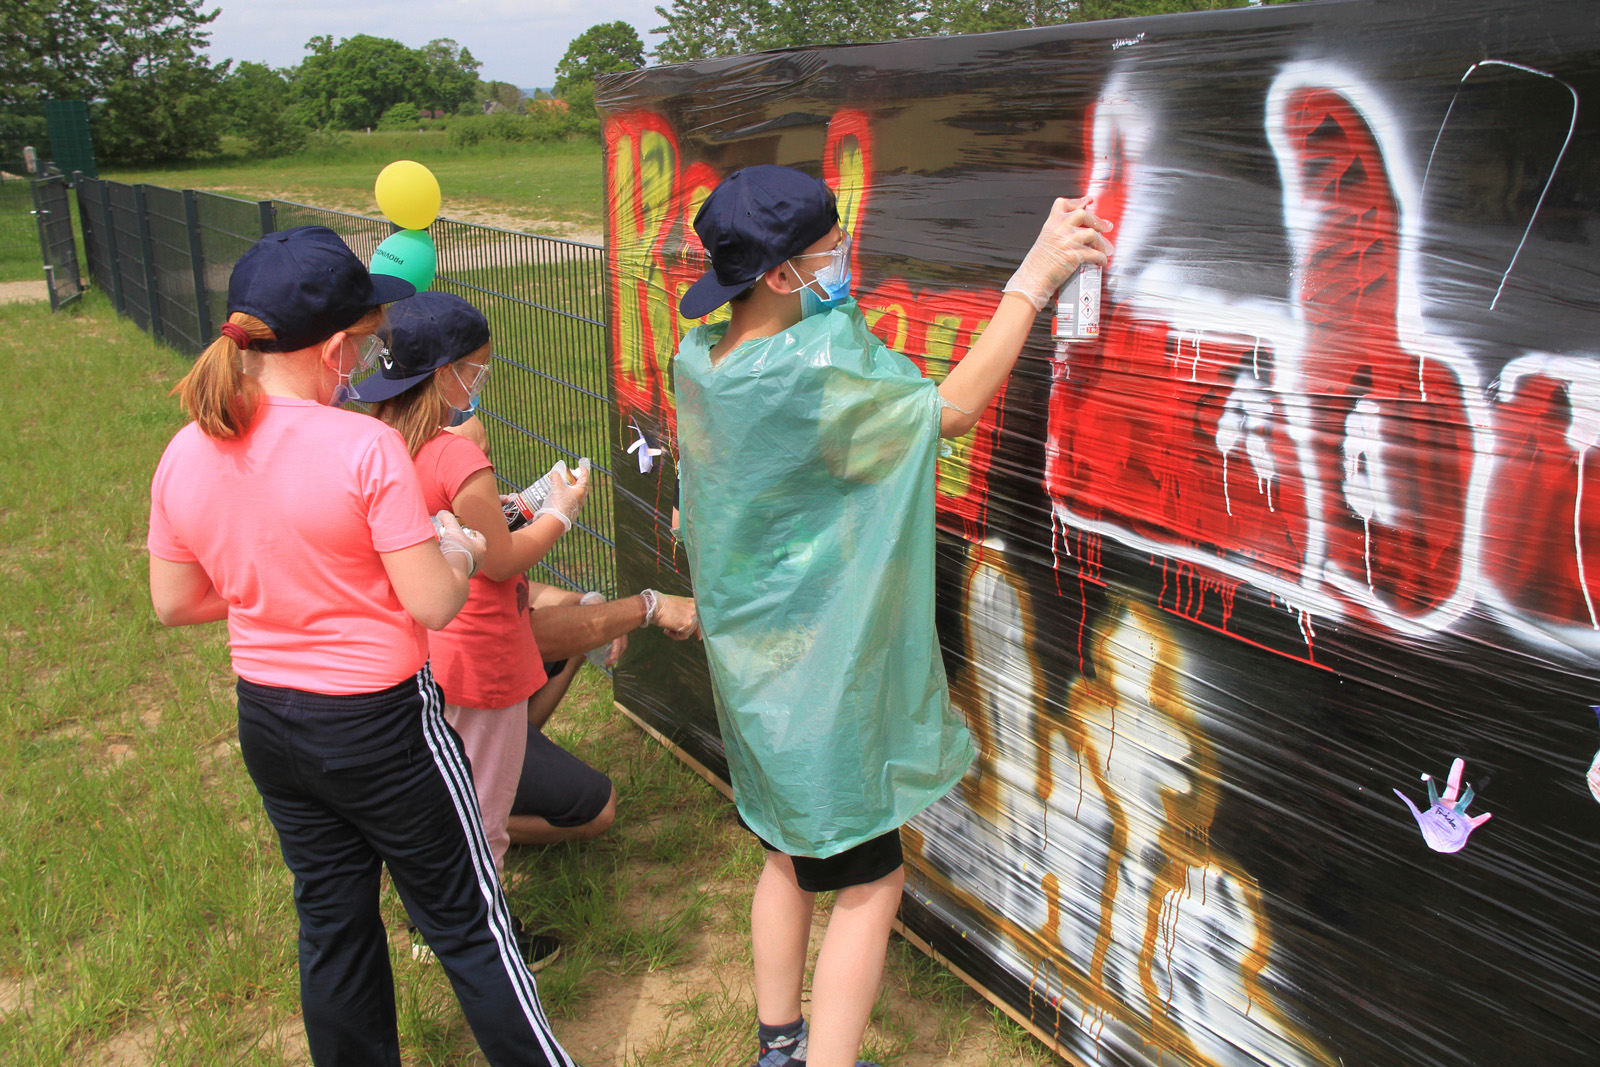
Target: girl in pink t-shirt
(486, 660)
(304, 527)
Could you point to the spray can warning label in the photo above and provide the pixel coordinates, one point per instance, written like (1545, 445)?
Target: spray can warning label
(1078, 307)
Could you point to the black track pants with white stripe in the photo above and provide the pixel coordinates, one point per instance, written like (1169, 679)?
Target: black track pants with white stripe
(356, 782)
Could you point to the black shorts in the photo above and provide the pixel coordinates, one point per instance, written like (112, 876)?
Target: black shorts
(861, 865)
(557, 785)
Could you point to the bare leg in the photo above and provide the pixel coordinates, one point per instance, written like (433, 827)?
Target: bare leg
(536, 830)
(849, 969)
(544, 700)
(780, 928)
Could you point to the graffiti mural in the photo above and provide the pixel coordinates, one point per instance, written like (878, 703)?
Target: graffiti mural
(1084, 833)
(1319, 511)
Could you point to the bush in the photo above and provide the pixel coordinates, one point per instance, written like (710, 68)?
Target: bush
(401, 116)
(542, 123)
(274, 133)
(327, 141)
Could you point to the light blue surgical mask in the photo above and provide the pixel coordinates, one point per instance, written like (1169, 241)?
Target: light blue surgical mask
(830, 283)
(461, 415)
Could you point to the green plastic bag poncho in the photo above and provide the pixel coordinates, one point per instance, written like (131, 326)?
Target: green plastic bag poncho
(807, 498)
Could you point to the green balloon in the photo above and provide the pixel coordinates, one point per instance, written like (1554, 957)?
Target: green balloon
(408, 254)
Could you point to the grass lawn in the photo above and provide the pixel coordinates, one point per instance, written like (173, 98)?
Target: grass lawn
(145, 915)
(19, 234)
(552, 189)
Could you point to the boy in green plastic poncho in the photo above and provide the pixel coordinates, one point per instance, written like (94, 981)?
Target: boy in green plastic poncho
(807, 478)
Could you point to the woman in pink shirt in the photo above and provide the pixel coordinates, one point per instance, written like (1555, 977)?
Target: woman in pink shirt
(304, 527)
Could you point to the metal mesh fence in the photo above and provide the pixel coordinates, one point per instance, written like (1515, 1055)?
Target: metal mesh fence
(548, 397)
(97, 259)
(361, 233)
(165, 256)
(225, 227)
(128, 235)
(177, 305)
(52, 206)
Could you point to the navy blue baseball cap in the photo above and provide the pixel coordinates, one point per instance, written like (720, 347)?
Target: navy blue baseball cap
(754, 220)
(426, 332)
(307, 285)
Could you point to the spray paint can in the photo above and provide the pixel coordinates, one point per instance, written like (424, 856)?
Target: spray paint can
(1078, 308)
(438, 528)
(520, 508)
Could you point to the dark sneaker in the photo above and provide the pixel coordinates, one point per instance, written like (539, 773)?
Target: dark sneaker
(538, 950)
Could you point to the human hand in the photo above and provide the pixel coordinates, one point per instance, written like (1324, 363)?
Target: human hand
(1445, 825)
(474, 431)
(1594, 776)
(567, 490)
(1069, 239)
(458, 540)
(678, 616)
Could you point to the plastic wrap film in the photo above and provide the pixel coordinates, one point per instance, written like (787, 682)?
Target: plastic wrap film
(1317, 516)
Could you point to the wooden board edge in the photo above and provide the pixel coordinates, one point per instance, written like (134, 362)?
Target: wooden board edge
(671, 746)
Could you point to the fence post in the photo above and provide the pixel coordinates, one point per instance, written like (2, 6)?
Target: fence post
(147, 254)
(111, 248)
(269, 217)
(202, 306)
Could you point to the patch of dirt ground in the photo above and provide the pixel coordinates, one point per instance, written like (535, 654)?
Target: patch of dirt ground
(703, 1011)
(30, 292)
(456, 209)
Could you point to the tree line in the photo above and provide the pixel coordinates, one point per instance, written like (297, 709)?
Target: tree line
(156, 97)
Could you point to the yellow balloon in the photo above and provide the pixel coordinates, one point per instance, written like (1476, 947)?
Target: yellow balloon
(408, 194)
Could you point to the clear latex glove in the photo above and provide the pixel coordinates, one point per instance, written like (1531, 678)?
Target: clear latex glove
(677, 616)
(618, 645)
(1070, 238)
(458, 540)
(567, 490)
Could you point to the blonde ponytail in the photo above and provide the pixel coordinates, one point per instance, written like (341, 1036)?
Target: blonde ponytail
(216, 393)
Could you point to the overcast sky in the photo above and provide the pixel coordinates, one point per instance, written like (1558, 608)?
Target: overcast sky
(517, 41)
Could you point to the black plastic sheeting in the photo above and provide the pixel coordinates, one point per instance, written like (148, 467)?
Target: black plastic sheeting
(1318, 515)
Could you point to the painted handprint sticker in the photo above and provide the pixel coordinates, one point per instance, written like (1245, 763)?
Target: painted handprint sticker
(1446, 824)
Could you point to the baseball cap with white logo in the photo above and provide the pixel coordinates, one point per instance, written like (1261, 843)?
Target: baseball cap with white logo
(425, 332)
